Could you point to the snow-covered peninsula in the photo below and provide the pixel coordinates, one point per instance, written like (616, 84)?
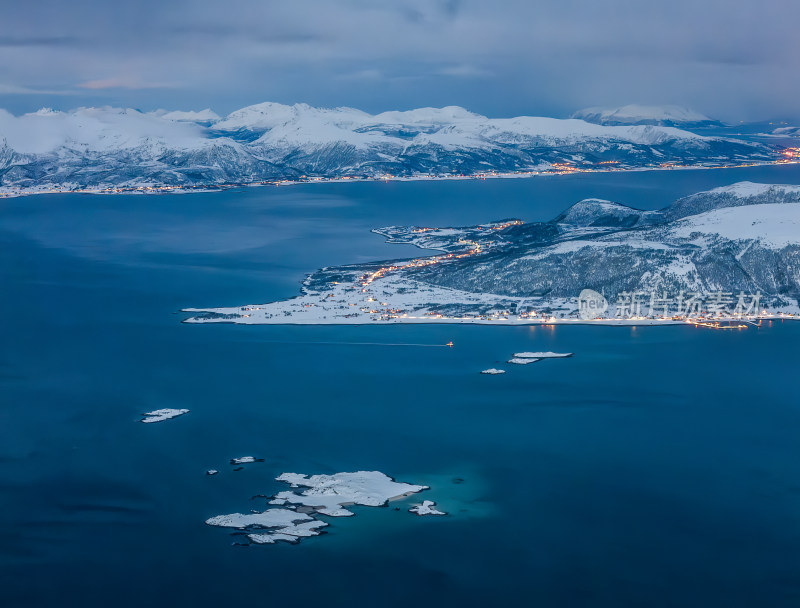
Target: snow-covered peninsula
(731, 253)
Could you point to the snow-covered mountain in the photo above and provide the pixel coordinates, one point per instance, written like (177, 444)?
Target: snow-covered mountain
(740, 237)
(207, 116)
(787, 131)
(111, 147)
(673, 116)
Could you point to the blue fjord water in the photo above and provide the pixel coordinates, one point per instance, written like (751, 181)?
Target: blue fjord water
(657, 467)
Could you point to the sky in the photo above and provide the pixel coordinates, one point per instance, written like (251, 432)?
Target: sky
(733, 59)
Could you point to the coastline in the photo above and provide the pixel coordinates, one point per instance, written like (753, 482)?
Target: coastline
(163, 189)
(700, 322)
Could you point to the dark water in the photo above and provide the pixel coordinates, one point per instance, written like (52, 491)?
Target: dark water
(658, 467)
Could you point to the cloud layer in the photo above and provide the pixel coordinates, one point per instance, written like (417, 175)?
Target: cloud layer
(733, 59)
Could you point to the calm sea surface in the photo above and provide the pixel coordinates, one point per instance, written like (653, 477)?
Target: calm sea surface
(657, 467)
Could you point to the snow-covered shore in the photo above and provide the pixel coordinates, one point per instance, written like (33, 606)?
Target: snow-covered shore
(156, 188)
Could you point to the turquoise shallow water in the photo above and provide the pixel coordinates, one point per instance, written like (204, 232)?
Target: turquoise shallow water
(657, 467)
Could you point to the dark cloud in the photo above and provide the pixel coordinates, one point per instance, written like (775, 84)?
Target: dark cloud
(734, 59)
(49, 41)
(452, 7)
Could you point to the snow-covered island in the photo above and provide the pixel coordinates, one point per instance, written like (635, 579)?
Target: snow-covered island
(726, 255)
(277, 524)
(428, 507)
(493, 371)
(162, 415)
(328, 495)
(245, 460)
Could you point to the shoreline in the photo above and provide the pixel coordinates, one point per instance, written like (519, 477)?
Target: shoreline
(703, 322)
(160, 190)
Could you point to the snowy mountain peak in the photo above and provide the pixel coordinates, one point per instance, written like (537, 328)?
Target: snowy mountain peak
(429, 116)
(268, 115)
(644, 115)
(597, 212)
(45, 112)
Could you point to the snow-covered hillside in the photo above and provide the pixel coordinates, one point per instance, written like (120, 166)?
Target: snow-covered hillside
(743, 236)
(773, 225)
(98, 148)
(787, 131)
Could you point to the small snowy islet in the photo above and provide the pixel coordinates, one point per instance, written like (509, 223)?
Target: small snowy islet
(245, 460)
(426, 508)
(162, 414)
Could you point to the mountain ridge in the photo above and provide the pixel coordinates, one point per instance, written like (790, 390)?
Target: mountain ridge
(633, 114)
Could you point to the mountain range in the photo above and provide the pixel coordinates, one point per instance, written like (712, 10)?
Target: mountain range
(113, 148)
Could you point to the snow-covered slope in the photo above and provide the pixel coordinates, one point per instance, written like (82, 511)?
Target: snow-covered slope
(773, 225)
(740, 237)
(787, 131)
(735, 195)
(113, 147)
(644, 115)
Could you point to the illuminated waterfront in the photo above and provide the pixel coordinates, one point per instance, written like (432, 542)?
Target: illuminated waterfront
(786, 156)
